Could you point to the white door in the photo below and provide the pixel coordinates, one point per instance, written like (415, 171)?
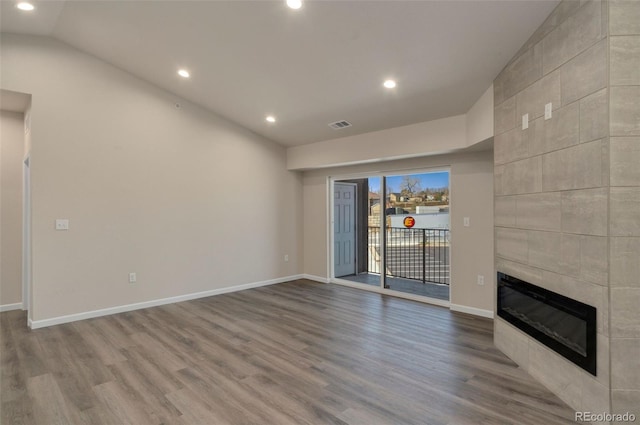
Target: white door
(344, 229)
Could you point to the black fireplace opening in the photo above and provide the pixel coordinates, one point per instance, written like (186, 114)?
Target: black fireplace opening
(563, 324)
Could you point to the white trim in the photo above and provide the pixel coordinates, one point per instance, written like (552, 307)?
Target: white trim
(419, 298)
(357, 285)
(330, 226)
(472, 310)
(35, 324)
(391, 292)
(9, 307)
(26, 233)
(315, 278)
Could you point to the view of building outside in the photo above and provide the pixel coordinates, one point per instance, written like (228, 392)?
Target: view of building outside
(416, 207)
(425, 197)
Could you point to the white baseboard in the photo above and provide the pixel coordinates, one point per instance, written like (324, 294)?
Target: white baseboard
(36, 324)
(9, 307)
(472, 310)
(315, 278)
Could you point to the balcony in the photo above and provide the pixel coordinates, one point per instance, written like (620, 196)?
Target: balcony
(417, 261)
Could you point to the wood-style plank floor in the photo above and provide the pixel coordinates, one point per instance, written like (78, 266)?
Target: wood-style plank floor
(294, 353)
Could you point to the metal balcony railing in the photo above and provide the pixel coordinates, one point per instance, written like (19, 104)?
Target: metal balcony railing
(417, 254)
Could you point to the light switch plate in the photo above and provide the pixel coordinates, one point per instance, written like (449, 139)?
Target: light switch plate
(62, 224)
(525, 121)
(466, 221)
(548, 109)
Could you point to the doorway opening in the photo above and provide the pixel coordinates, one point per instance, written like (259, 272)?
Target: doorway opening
(391, 232)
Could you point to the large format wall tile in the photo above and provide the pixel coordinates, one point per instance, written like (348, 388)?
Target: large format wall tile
(624, 159)
(545, 250)
(498, 174)
(574, 35)
(625, 111)
(594, 116)
(625, 320)
(512, 342)
(625, 211)
(625, 262)
(505, 116)
(523, 71)
(624, 17)
(532, 99)
(540, 211)
(557, 133)
(555, 252)
(585, 212)
(512, 244)
(625, 60)
(505, 211)
(585, 74)
(603, 352)
(594, 264)
(557, 17)
(523, 176)
(577, 167)
(623, 401)
(573, 385)
(595, 395)
(625, 363)
(521, 271)
(556, 373)
(498, 90)
(511, 146)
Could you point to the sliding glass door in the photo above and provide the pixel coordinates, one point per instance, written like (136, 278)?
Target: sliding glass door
(391, 231)
(416, 255)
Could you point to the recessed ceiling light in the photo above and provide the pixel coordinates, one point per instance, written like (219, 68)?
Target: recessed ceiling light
(389, 84)
(183, 73)
(26, 6)
(294, 4)
(271, 119)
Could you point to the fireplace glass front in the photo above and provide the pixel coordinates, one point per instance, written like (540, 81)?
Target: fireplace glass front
(563, 324)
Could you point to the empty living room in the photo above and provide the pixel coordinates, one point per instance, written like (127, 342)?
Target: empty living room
(319, 212)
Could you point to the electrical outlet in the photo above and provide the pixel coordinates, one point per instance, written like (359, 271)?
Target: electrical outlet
(286, 258)
(480, 279)
(62, 224)
(466, 221)
(133, 278)
(548, 109)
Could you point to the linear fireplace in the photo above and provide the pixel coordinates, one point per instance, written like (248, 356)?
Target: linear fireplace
(565, 325)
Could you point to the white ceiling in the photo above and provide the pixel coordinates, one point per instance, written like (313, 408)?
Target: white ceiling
(323, 63)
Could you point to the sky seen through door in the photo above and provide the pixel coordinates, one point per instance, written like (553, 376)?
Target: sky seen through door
(427, 180)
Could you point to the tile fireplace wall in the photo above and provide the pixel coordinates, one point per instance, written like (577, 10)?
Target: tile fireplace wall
(567, 191)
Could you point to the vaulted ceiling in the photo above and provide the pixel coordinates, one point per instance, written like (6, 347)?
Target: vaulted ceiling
(309, 67)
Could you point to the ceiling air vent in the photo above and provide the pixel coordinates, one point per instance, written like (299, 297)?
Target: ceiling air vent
(338, 125)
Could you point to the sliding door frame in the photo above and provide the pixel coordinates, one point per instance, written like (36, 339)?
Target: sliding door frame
(331, 180)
